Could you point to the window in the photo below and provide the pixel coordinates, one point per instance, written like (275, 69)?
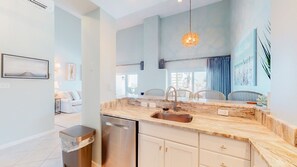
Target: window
(199, 81)
(132, 85)
(182, 80)
(120, 85)
(192, 81)
(126, 85)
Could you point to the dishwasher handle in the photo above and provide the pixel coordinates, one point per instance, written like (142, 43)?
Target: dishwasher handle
(117, 125)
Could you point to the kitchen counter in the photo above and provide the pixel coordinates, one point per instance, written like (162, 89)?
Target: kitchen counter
(274, 150)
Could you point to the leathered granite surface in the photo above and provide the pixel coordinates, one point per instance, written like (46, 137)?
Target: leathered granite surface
(236, 109)
(274, 150)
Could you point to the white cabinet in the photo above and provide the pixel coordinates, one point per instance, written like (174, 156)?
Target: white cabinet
(155, 152)
(179, 155)
(177, 135)
(162, 146)
(225, 146)
(150, 151)
(223, 152)
(257, 160)
(213, 159)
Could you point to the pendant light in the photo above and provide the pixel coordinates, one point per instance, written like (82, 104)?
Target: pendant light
(191, 38)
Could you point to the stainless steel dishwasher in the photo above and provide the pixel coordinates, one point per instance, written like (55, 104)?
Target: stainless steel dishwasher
(119, 142)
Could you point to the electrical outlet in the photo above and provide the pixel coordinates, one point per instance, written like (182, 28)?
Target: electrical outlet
(223, 112)
(152, 105)
(4, 85)
(143, 104)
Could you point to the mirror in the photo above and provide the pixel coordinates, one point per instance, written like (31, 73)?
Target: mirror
(233, 53)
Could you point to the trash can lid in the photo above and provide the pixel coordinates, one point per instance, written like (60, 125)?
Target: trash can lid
(78, 132)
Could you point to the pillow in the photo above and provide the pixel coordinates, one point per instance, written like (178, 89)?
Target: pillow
(75, 95)
(67, 95)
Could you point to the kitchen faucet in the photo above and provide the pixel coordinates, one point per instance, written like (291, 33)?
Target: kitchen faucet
(175, 96)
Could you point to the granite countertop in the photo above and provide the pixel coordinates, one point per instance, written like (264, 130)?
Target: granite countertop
(274, 150)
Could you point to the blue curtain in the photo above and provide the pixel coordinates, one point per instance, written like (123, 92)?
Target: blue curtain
(219, 74)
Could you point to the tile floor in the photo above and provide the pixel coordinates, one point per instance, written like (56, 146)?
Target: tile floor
(41, 152)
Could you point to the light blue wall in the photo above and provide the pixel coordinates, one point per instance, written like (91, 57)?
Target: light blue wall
(152, 77)
(246, 15)
(221, 27)
(212, 22)
(67, 48)
(130, 45)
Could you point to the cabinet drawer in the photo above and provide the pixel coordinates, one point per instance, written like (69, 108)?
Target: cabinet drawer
(169, 133)
(212, 159)
(225, 146)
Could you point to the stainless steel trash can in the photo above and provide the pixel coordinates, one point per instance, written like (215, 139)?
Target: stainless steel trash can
(77, 146)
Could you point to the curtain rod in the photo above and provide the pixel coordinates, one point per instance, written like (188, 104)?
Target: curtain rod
(196, 58)
(132, 64)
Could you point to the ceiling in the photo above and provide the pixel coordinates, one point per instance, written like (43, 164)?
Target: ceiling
(130, 12)
(76, 7)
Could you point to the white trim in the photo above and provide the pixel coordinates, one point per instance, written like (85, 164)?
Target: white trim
(94, 164)
(3, 146)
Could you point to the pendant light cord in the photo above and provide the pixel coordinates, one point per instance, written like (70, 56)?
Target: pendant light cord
(190, 15)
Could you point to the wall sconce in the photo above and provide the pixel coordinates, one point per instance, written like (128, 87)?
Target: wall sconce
(57, 67)
(56, 86)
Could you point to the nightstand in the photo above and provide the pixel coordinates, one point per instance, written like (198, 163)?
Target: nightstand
(57, 105)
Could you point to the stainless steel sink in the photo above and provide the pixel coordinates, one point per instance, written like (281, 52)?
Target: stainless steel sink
(184, 118)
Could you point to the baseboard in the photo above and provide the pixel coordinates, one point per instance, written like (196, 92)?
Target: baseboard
(10, 144)
(94, 164)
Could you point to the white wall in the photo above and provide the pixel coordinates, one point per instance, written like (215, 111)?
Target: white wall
(98, 50)
(91, 77)
(107, 57)
(284, 69)
(27, 107)
(247, 15)
(67, 48)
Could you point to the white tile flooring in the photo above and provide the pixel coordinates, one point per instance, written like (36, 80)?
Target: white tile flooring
(41, 152)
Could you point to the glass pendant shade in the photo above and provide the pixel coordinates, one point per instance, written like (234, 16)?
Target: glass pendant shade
(190, 39)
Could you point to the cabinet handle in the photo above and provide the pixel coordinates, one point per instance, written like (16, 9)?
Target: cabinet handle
(223, 165)
(223, 147)
(160, 148)
(166, 149)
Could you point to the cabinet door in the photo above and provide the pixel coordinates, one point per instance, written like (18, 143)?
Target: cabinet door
(179, 155)
(257, 160)
(150, 151)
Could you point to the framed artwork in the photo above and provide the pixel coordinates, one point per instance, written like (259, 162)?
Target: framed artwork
(245, 61)
(19, 67)
(71, 72)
